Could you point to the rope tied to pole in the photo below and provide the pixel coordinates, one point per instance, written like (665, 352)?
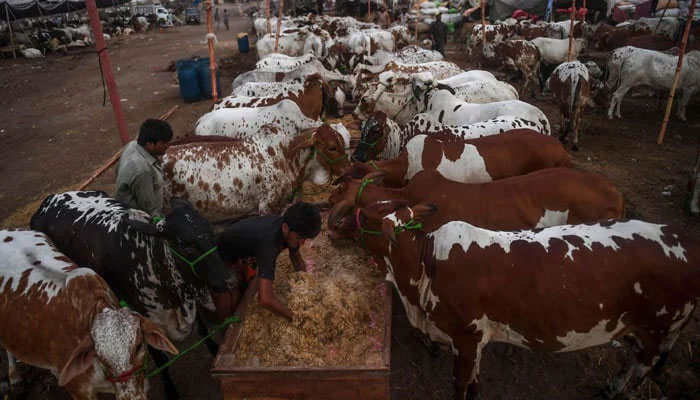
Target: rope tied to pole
(209, 36)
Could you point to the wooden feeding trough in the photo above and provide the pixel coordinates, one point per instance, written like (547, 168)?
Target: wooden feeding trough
(346, 382)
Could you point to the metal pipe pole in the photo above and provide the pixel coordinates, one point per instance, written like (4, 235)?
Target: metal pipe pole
(571, 31)
(279, 25)
(106, 65)
(664, 124)
(267, 15)
(212, 57)
(12, 35)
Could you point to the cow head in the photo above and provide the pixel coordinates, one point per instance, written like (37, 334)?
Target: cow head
(347, 195)
(375, 132)
(190, 239)
(117, 341)
(329, 153)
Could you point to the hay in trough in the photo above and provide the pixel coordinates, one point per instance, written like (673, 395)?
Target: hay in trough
(338, 313)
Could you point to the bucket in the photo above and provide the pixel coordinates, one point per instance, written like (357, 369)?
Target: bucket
(243, 46)
(189, 80)
(205, 78)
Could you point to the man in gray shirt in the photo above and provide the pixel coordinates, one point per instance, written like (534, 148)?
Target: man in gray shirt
(139, 174)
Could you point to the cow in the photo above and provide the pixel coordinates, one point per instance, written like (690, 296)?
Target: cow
(261, 89)
(556, 51)
(313, 100)
(522, 56)
(277, 62)
(494, 34)
(448, 109)
(309, 68)
(292, 42)
(93, 344)
(246, 122)
(384, 139)
(512, 153)
(547, 197)
(408, 55)
(656, 70)
(571, 86)
(394, 95)
(149, 267)
(366, 77)
(232, 178)
(557, 289)
(531, 31)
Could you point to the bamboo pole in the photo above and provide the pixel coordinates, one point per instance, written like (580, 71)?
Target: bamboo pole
(415, 21)
(106, 66)
(571, 31)
(369, 7)
(112, 160)
(483, 24)
(12, 35)
(212, 57)
(664, 124)
(267, 15)
(279, 25)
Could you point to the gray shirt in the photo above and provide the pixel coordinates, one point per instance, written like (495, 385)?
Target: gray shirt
(140, 180)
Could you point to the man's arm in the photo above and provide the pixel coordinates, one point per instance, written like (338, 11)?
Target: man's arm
(268, 300)
(297, 260)
(142, 187)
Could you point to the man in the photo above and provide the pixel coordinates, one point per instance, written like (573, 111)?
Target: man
(438, 34)
(226, 19)
(384, 18)
(217, 19)
(319, 7)
(264, 238)
(139, 174)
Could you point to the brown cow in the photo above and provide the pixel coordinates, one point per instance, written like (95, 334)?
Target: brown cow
(316, 98)
(485, 159)
(522, 56)
(570, 84)
(556, 289)
(66, 319)
(547, 197)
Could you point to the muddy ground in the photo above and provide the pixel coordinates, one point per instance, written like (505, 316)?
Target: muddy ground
(54, 132)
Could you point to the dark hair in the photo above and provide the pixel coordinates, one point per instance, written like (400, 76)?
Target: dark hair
(304, 219)
(154, 130)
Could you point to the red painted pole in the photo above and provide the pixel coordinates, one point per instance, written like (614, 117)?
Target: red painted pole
(212, 57)
(107, 71)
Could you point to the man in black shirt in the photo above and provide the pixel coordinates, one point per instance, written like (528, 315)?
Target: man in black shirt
(264, 238)
(438, 34)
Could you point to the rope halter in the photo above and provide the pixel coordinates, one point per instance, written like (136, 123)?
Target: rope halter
(193, 263)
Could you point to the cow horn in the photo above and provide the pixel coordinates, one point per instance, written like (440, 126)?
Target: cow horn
(338, 211)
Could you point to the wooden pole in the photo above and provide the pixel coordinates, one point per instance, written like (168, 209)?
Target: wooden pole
(112, 160)
(664, 124)
(12, 35)
(267, 15)
(279, 25)
(106, 66)
(415, 21)
(663, 14)
(571, 31)
(212, 57)
(483, 24)
(369, 7)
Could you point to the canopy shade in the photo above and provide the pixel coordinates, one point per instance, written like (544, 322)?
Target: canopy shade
(18, 9)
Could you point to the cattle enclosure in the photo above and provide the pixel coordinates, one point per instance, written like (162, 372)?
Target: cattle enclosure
(54, 132)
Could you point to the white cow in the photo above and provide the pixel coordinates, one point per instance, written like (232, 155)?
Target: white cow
(277, 62)
(556, 51)
(656, 70)
(259, 89)
(408, 55)
(310, 68)
(292, 43)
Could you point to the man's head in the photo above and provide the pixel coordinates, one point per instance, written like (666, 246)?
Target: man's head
(301, 221)
(155, 136)
(438, 17)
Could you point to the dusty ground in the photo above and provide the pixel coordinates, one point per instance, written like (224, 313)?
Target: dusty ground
(54, 133)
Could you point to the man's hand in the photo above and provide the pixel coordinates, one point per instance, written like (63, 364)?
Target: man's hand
(268, 300)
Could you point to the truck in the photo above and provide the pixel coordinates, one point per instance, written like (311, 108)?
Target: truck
(163, 17)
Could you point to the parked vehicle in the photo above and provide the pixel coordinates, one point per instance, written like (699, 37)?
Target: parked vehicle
(192, 16)
(162, 16)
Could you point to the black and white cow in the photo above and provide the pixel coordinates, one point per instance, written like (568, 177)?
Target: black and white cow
(144, 264)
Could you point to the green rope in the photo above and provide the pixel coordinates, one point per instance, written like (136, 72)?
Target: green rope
(228, 321)
(410, 225)
(330, 160)
(363, 185)
(198, 259)
(374, 164)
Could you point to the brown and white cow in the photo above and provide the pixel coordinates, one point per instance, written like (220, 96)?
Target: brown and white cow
(557, 289)
(313, 100)
(66, 319)
(384, 139)
(230, 178)
(570, 84)
(523, 56)
(547, 197)
(513, 153)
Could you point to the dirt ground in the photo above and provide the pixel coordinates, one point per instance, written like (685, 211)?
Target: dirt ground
(54, 132)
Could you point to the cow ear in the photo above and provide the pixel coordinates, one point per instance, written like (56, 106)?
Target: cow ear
(155, 337)
(388, 231)
(145, 227)
(423, 210)
(79, 361)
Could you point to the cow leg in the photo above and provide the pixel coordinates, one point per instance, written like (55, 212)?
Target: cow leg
(13, 374)
(466, 366)
(160, 359)
(576, 121)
